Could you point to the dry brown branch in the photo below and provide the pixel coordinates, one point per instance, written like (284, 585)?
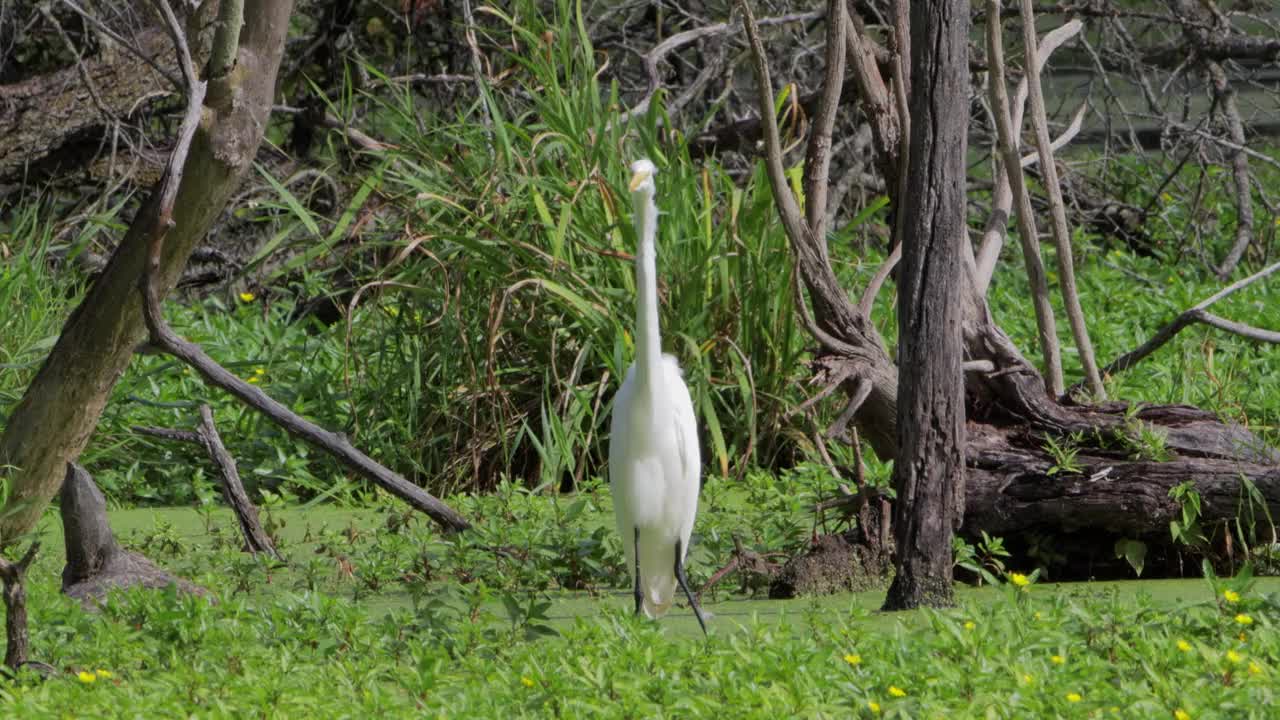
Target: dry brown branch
(1011, 177)
(818, 158)
(256, 538)
(167, 433)
(1066, 136)
(848, 339)
(901, 87)
(1061, 234)
(357, 137)
(861, 390)
(1046, 46)
(748, 563)
(1225, 98)
(333, 443)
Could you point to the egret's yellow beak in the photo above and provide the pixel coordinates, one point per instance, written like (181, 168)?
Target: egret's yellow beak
(639, 178)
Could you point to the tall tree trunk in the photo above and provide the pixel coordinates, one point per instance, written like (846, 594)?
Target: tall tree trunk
(929, 470)
(60, 409)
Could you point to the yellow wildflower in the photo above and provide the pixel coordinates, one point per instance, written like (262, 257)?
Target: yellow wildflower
(1244, 619)
(873, 706)
(1074, 697)
(896, 691)
(104, 674)
(524, 680)
(1254, 668)
(1184, 646)
(1037, 615)
(252, 378)
(87, 678)
(853, 659)
(1233, 656)
(969, 625)
(246, 297)
(1057, 659)
(1231, 596)
(1027, 678)
(1019, 579)
(1181, 714)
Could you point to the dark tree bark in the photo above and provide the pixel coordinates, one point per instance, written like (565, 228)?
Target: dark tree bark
(929, 470)
(17, 639)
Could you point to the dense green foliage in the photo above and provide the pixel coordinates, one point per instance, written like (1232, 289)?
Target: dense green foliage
(377, 616)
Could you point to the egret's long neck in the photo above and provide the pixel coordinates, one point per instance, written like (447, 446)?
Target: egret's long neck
(648, 341)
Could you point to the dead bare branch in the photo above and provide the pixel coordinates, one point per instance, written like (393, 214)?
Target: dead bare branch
(1046, 326)
(1197, 313)
(659, 52)
(167, 433)
(869, 294)
(877, 106)
(1061, 236)
(818, 159)
(1225, 97)
(256, 538)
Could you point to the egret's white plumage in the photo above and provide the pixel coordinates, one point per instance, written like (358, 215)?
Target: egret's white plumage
(654, 467)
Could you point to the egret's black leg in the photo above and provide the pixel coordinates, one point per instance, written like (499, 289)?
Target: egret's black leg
(684, 585)
(639, 597)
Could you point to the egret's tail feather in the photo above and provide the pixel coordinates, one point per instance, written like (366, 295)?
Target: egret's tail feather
(659, 592)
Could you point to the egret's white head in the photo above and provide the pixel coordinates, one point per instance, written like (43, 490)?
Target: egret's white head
(642, 172)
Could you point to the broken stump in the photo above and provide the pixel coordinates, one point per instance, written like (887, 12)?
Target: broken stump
(96, 563)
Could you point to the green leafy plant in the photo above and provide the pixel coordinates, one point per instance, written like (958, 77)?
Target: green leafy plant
(1134, 552)
(1064, 452)
(986, 560)
(1186, 529)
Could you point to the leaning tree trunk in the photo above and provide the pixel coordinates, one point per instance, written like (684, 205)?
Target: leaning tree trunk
(929, 471)
(60, 409)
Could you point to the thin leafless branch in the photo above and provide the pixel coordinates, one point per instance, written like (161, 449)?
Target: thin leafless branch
(1011, 176)
(1198, 313)
(1061, 235)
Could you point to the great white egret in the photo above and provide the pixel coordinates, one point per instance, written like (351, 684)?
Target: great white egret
(653, 446)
